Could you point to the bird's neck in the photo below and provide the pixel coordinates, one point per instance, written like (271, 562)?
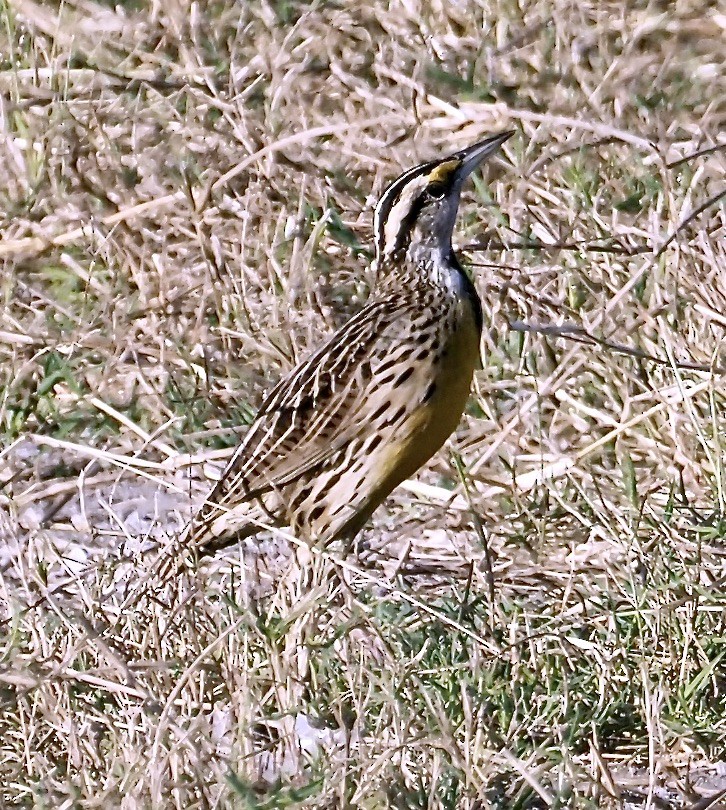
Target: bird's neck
(423, 263)
(435, 270)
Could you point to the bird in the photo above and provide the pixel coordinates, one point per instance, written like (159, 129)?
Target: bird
(373, 404)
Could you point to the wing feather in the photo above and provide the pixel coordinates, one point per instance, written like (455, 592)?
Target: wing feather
(304, 421)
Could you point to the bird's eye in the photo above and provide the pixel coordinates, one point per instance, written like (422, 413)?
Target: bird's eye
(437, 191)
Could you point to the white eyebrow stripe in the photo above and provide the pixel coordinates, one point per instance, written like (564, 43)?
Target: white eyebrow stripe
(391, 216)
(388, 202)
(398, 213)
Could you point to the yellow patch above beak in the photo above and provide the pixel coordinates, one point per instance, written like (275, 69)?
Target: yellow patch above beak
(442, 173)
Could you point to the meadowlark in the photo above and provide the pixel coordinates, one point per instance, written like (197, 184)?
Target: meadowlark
(371, 406)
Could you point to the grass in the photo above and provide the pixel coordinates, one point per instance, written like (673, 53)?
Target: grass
(185, 196)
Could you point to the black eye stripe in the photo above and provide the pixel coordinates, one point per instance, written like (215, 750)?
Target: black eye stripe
(407, 223)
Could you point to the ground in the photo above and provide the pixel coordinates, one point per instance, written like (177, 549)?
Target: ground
(186, 195)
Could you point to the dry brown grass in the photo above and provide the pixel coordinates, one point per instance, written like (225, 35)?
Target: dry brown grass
(186, 193)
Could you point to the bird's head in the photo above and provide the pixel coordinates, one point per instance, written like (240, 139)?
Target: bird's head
(417, 211)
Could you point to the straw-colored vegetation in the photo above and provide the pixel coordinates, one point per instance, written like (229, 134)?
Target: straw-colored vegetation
(185, 195)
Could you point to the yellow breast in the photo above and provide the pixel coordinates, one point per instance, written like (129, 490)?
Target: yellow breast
(424, 412)
(432, 422)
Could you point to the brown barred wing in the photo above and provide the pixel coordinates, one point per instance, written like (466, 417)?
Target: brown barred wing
(303, 423)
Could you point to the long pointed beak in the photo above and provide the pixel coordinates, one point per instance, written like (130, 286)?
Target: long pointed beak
(475, 155)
